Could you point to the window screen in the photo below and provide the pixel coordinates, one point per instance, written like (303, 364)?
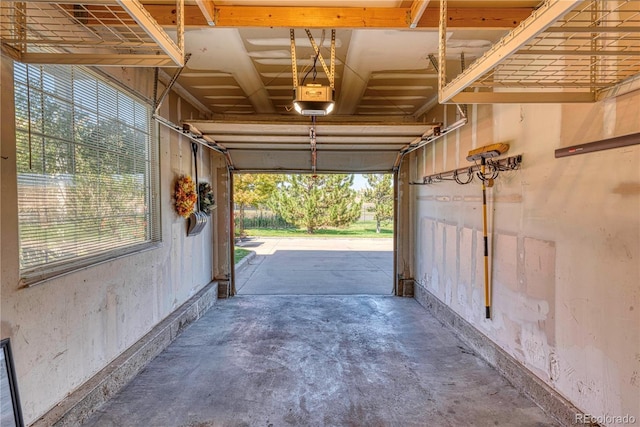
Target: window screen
(86, 170)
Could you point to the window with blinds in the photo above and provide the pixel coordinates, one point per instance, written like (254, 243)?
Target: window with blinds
(86, 170)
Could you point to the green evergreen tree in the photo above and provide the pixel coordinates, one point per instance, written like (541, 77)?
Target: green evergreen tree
(380, 193)
(252, 190)
(315, 201)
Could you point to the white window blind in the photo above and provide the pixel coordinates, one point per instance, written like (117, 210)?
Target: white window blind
(86, 170)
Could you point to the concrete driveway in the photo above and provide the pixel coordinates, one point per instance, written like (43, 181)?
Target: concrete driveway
(317, 266)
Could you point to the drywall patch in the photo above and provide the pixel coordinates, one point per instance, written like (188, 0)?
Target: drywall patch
(473, 199)
(463, 298)
(535, 349)
(448, 291)
(466, 258)
(427, 244)
(627, 189)
(505, 271)
(597, 389)
(513, 339)
(451, 264)
(539, 280)
(8, 329)
(440, 259)
(435, 281)
(609, 117)
(554, 367)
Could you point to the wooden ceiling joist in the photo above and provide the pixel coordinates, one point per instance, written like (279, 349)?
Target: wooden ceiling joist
(337, 17)
(310, 17)
(417, 10)
(207, 7)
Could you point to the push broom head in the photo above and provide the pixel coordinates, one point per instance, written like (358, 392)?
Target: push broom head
(488, 151)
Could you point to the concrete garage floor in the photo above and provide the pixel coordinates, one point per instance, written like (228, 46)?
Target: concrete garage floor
(318, 361)
(317, 266)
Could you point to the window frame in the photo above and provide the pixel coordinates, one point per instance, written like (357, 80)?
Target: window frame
(31, 276)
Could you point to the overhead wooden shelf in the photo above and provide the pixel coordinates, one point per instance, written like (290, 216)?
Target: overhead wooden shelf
(567, 51)
(89, 32)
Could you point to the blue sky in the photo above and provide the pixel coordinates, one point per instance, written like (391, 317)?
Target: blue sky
(359, 181)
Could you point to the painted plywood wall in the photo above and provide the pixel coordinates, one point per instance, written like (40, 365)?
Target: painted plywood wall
(66, 330)
(565, 245)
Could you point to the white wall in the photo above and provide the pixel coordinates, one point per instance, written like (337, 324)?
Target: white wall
(64, 331)
(565, 245)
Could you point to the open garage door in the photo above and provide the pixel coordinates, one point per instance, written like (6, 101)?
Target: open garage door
(323, 145)
(305, 145)
(323, 234)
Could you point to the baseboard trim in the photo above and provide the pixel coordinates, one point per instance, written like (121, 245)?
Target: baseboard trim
(81, 403)
(525, 381)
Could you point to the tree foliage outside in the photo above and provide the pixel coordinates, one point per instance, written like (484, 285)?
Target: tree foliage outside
(83, 168)
(315, 201)
(252, 190)
(380, 193)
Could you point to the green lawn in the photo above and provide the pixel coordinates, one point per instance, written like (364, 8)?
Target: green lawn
(359, 229)
(240, 253)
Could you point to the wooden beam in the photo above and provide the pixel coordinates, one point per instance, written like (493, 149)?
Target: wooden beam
(207, 14)
(165, 15)
(533, 97)
(153, 30)
(476, 17)
(339, 17)
(99, 59)
(417, 10)
(207, 7)
(567, 52)
(312, 17)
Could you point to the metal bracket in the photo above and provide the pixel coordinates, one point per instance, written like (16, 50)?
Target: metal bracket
(330, 72)
(294, 61)
(158, 102)
(316, 49)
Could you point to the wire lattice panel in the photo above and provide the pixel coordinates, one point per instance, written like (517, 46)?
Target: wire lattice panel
(592, 48)
(108, 32)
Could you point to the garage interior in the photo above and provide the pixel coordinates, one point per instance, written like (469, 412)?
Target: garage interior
(547, 292)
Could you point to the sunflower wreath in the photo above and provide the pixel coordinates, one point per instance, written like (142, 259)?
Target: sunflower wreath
(185, 196)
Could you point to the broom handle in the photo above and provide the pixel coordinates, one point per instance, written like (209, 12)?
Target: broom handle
(487, 293)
